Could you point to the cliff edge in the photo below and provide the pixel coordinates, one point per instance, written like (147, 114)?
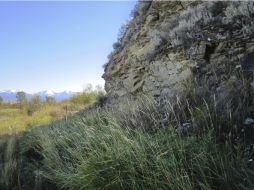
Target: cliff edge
(168, 44)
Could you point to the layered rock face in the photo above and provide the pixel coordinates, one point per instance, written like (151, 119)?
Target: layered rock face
(167, 44)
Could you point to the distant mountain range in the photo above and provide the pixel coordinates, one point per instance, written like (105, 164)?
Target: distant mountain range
(10, 95)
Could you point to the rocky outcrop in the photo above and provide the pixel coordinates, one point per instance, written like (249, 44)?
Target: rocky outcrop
(167, 44)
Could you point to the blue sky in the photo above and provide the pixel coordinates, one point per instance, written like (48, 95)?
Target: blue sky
(57, 45)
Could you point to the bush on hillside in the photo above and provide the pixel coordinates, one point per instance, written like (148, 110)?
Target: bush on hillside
(140, 8)
(84, 98)
(33, 105)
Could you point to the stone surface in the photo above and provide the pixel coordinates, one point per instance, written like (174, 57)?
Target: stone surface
(165, 45)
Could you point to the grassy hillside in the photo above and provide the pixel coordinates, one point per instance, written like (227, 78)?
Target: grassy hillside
(127, 147)
(13, 119)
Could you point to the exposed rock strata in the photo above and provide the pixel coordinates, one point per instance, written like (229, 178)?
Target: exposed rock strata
(169, 43)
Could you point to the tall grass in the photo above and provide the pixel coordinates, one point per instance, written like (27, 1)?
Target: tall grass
(105, 156)
(117, 148)
(9, 170)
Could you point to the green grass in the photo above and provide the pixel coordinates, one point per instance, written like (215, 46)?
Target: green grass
(105, 156)
(13, 120)
(117, 149)
(6, 113)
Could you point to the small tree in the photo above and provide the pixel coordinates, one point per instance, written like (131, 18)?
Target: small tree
(21, 98)
(1, 100)
(35, 100)
(87, 88)
(100, 90)
(34, 104)
(50, 100)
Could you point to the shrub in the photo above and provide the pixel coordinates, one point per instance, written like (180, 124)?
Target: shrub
(127, 29)
(187, 24)
(1, 100)
(84, 98)
(236, 9)
(50, 100)
(140, 8)
(101, 100)
(157, 40)
(243, 13)
(33, 105)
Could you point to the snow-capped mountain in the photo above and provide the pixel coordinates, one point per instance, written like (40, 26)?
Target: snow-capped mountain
(10, 95)
(58, 96)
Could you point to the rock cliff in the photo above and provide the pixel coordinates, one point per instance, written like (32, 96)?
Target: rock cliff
(167, 44)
